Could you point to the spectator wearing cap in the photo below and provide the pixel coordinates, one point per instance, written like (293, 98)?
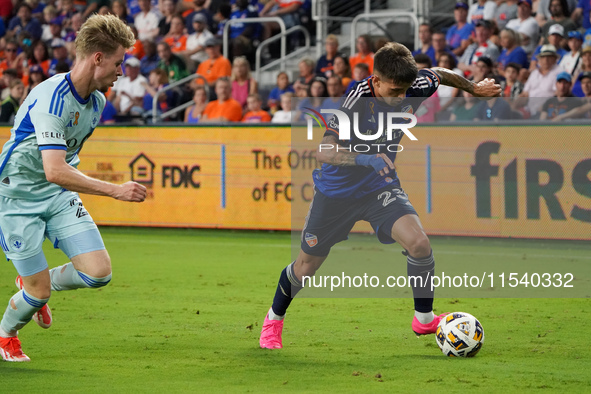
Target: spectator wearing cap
(541, 82)
(583, 9)
(198, 7)
(55, 29)
(11, 104)
(216, 66)
(176, 38)
(512, 52)
(506, 11)
(23, 21)
(559, 15)
(482, 47)
(426, 39)
(195, 49)
(59, 54)
(36, 76)
(571, 62)
(458, 36)
(584, 109)
(174, 65)
(483, 9)
(526, 25)
(563, 101)
(225, 108)
(364, 52)
(127, 94)
(146, 21)
(585, 67)
(555, 38)
(511, 86)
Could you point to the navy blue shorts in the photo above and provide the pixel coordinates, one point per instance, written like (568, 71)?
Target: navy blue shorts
(330, 220)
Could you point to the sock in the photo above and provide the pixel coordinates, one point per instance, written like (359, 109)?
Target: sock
(25, 306)
(423, 268)
(287, 288)
(425, 317)
(66, 277)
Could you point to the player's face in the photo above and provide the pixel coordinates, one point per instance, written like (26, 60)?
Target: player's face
(109, 69)
(390, 92)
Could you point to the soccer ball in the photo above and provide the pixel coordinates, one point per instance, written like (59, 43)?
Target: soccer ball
(459, 334)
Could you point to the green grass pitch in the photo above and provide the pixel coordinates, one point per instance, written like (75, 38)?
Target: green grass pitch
(184, 310)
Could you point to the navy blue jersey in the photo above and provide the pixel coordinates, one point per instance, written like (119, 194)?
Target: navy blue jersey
(358, 181)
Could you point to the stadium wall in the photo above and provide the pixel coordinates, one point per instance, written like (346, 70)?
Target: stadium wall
(510, 181)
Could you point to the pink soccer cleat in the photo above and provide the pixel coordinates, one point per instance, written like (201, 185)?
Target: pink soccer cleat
(428, 328)
(43, 316)
(271, 334)
(11, 350)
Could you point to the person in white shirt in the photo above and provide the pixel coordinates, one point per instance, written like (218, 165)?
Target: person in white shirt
(572, 62)
(483, 9)
(526, 25)
(284, 115)
(128, 93)
(483, 46)
(146, 22)
(541, 83)
(195, 51)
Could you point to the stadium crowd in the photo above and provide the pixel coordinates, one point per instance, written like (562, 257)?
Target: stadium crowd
(538, 50)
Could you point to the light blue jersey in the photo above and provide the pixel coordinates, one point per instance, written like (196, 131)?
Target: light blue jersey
(53, 116)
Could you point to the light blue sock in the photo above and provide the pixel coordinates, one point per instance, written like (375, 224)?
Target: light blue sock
(21, 308)
(66, 277)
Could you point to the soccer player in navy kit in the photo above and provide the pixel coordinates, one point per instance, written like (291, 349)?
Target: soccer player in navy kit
(351, 187)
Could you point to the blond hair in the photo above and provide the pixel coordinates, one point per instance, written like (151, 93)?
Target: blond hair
(103, 33)
(238, 61)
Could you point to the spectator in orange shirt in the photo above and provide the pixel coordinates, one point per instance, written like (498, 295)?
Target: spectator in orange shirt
(216, 65)
(225, 108)
(364, 53)
(175, 37)
(255, 114)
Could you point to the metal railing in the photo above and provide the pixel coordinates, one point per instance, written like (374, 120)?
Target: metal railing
(255, 20)
(174, 85)
(379, 15)
(281, 61)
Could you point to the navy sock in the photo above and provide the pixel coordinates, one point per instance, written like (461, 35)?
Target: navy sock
(422, 268)
(287, 288)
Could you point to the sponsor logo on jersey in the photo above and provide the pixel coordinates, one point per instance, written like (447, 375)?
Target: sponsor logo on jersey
(311, 240)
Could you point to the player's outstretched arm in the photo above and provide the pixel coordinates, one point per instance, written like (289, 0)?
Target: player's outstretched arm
(61, 173)
(330, 152)
(485, 88)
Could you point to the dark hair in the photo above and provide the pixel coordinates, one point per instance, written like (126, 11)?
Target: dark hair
(395, 62)
(368, 41)
(429, 26)
(564, 6)
(453, 63)
(513, 65)
(421, 58)
(363, 66)
(322, 80)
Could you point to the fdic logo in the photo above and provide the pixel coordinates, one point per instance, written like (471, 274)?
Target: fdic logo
(379, 134)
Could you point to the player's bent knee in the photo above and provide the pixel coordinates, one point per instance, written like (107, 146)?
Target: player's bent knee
(94, 281)
(420, 247)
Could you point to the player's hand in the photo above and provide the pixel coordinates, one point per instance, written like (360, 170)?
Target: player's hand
(131, 191)
(380, 163)
(487, 88)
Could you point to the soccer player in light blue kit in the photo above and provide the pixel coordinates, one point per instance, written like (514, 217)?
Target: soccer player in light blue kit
(39, 181)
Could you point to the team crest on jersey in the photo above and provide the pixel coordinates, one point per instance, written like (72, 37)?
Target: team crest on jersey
(16, 243)
(407, 109)
(311, 240)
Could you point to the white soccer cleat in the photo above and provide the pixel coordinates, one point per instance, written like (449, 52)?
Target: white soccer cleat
(43, 316)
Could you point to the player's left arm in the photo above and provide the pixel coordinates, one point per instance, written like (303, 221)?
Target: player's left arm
(485, 88)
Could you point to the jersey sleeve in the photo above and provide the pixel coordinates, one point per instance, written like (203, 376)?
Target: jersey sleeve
(425, 85)
(48, 119)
